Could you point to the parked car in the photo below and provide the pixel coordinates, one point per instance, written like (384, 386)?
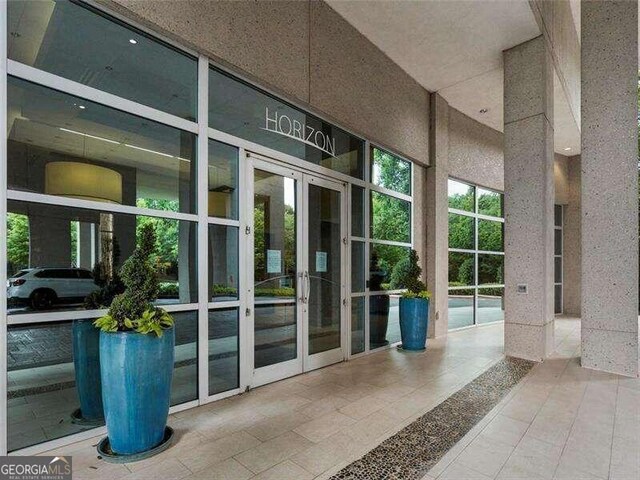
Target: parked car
(41, 288)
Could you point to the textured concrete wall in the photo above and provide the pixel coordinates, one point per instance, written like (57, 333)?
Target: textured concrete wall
(306, 51)
(572, 253)
(529, 198)
(475, 151)
(559, 29)
(561, 178)
(609, 186)
(437, 217)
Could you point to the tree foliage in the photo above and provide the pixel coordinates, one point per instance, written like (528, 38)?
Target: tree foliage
(17, 242)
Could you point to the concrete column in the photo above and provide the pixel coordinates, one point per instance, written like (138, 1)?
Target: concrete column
(529, 197)
(572, 253)
(437, 216)
(610, 186)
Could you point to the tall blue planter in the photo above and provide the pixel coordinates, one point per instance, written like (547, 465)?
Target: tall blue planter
(136, 388)
(86, 363)
(414, 320)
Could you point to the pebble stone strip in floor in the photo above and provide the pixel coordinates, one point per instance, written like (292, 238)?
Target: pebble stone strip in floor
(410, 453)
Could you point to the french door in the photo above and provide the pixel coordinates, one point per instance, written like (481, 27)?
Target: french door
(297, 249)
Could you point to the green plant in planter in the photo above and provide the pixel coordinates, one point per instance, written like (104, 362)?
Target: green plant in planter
(406, 275)
(133, 310)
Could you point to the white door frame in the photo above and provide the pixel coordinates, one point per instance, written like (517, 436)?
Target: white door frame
(303, 362)
(329, 357)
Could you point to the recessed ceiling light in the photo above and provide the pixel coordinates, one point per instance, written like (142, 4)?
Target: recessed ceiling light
(567, 149)
(483, 110)
(133, 41)
(81, 107)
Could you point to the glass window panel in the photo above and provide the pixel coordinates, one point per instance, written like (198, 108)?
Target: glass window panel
(39, 235)
(490, 305)
(357, 211)
(62, 145)
(390, 172)
(42, 390)
(490, 202)
(223, 263)
(557, 209)
(384, 326)
(461, 231)
(275, 334)
(75, 42)
(383, 259)
(184, 386)
(557, 303)
(490, 236)
(222, 198)
(45, 387)
(357, 267)
(390, 218)
(461, 308)
(461, 196)
(224, 345)
(557, 269)
(461, 269)
(490, 269)
(244, 111)
(557, 240)
(357, 325)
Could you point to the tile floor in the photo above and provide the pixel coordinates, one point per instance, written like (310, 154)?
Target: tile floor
(560, 422)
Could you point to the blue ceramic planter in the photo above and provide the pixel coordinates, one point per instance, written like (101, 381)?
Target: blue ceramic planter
(414, 319)
(136, 388)
(86, 363)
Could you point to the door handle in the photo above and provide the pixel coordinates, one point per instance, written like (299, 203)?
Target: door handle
(301, 286)
(307, 286)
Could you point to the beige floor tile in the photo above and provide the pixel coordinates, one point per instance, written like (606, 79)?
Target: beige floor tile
(276, 426)
(323, 427)
(229, 469)
(216, 451)
(272, 452)
(169, 469)
(371, 428)
(505, 430)
(286, 470)
(327, 454)
(363, 407)
(457, 471)
(485, 455)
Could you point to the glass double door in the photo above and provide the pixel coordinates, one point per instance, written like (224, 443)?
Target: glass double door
(297, 231)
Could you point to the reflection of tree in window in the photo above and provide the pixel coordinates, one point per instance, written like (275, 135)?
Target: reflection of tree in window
(461, 196)
(461, 231)
(166, 256)
(17, 242)
(391, 218)
(489, 203)
(391, 172)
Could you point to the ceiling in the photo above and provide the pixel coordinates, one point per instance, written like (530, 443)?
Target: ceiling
(455, 48)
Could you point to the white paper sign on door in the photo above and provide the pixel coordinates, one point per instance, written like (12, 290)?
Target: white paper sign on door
(321, 262)
(274, 261)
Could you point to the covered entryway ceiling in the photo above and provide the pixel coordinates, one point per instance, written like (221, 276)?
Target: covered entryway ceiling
(455, 48)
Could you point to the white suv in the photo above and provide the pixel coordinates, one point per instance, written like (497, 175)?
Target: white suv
(41, 288)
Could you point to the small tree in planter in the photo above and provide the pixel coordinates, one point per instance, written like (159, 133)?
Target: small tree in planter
(414, 303)
(136, 360)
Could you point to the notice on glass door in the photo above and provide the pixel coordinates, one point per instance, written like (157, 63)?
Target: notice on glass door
(274, 261)
(321, 262)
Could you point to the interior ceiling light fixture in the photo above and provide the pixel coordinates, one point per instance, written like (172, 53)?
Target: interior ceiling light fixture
(95, 137)
(133, 41)
(567, 149)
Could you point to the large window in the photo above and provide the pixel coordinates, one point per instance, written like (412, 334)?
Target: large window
(374, 257)
(476, 255)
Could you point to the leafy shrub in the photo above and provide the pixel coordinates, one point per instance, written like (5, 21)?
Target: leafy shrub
(406, 274)
(168, 290)
(133, 310)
